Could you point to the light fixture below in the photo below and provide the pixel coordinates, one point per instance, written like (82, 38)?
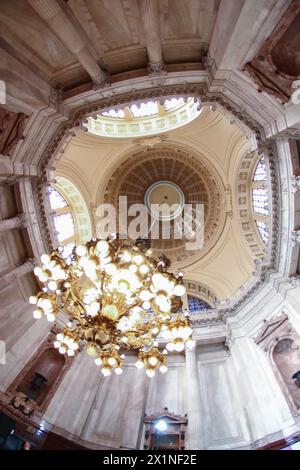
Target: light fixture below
(161, 425)
(116, 297)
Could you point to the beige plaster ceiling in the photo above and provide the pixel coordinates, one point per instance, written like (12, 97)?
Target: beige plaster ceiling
(100, 166)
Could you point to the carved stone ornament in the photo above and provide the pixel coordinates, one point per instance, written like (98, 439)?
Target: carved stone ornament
(281, 343)
(276, 66)
(11, 130)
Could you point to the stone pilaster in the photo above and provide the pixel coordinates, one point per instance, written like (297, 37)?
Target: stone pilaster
(194, 429)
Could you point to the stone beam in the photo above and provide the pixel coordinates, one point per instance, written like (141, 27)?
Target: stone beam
(150, 19)
(241, 27)
(12, 223)
(25, 91)
(16, 273)
(52, 13)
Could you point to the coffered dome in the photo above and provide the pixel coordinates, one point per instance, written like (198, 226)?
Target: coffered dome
(172, 176)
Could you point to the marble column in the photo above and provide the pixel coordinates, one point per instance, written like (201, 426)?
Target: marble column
(13, 223)
(195, 418)
(15, 273)
(150, 19)
(52, 13)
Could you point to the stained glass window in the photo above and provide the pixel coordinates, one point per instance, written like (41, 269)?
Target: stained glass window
(260, 201)
(260, 172)
(197, 305)
(263, 229)
(56, 199)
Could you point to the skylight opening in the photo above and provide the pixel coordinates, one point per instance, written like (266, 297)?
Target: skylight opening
(114, 113)
(173, 103)
(148, 108)
(142, 118)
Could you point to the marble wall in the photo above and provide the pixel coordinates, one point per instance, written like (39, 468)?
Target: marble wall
(240, 400)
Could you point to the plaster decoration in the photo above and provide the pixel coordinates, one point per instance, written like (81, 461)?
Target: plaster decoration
(295, 281)
(271, 68)
(151, 141)
(199, 182)
(281, 343)
(295, 184)
(295, 237)
(21, 384)
(12, 127)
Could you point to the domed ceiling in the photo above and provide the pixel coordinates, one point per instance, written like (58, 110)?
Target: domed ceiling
(165, 166)
(200, 162)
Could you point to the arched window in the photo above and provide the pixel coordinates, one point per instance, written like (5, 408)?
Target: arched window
(71, 220)
(260, 199)
(197, 305)
(63, 221)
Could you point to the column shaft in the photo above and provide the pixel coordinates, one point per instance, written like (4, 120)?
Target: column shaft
(16, 273)
(195, 418)
(150, 19)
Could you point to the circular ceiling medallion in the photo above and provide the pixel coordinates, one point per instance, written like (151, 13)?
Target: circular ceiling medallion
(171, 175)
(164, 200)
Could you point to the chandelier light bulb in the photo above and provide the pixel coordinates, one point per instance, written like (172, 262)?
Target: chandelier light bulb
(114, 297)
(52, 285)
(126, 257)
(81, 250)
(179, 290)
(137, 259)
(153, 361)
(111, 361)
(146, 305)
(45, 259)
(144, 269)
(133, 268)
(103, 247)
(37, 314)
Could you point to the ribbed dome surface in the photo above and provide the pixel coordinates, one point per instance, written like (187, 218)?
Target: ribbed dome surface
(199, 185)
